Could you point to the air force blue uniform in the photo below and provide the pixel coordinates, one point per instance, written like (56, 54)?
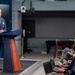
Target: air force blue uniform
(2, 24)
(2, 27)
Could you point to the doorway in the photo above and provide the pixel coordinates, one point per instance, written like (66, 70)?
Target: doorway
(29, 26)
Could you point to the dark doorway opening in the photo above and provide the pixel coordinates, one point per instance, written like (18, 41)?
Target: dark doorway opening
(29, 26)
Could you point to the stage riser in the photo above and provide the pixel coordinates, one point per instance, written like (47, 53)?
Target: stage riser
(32, 68)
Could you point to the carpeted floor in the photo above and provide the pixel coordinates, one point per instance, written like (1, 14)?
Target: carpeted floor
(25, 65)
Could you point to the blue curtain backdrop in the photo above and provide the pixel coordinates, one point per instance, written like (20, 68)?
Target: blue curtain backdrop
(9, 2)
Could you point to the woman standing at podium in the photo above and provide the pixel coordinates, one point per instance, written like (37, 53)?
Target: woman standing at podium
(2, 29)
(2, 23)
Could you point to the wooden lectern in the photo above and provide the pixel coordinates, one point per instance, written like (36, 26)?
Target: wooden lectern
(11, 62)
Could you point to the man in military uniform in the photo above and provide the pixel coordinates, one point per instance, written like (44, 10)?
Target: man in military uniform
(2, 23)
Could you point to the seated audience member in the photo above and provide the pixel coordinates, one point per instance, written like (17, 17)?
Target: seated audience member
(71, 54)
(67, 68)
(69, 64)
(64, 53)
(73, 48)
(68, 54)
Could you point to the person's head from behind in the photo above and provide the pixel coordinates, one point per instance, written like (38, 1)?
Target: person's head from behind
(0, 12)
(73, 47)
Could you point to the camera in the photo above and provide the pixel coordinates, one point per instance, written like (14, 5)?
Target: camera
(23, 9)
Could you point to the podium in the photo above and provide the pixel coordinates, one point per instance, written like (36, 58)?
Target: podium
(11, 62)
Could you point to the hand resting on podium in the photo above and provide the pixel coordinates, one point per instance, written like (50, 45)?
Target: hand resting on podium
(1, 31)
